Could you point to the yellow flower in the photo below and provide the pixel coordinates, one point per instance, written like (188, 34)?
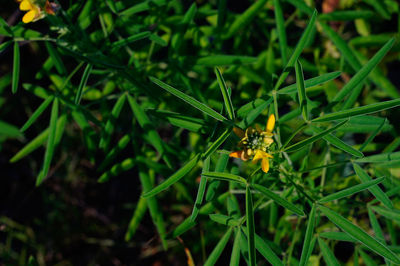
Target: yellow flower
(255, 143)
(37, 9)
(34, 11)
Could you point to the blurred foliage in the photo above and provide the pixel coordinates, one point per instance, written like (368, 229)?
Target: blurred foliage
(107, 101)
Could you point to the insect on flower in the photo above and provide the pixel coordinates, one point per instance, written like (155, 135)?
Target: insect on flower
(37, 9)
(255, 143)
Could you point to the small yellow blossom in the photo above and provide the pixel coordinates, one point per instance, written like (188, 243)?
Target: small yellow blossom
(37, 9)
(255, 143)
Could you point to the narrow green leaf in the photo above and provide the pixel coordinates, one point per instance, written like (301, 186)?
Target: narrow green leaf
(56, 59)
(109, 128)
(225, 177)
(245, 18)
(372, 136)
(235, 255)
(339, 236)
(367, 259)
(375, 226)
(351, 190)
(152, 135)
(207, 208)
(306, 251)
(224, 60)
(375, 190)
(117, 169)
(380, 158)
(9, 131)
(333, 140)
(141, 208)
(363, 72)
(122, 143)
(48, 156)
(301, 90)
(143, 6)
(131, 39)
(217, 143)
(250, 227)
(225, 220)
(177, 39)
(280, 25)
(379, 7)
(216, 253)
(297, 51)
(39, 140)
(190, 100)
(83, 82)
(183, 121)
(225, 94)
(173, 178)
(390, 214)
(359, 234)
(328, 255)
(254, 113)
(350, 56)
(16, 68)
(367, 109)
(301, 5)
(37, 113)
(346, 15)
(155, 212)
(312, 139)
(201, 190)
(244, 110)
(279, 200)
(265, 250)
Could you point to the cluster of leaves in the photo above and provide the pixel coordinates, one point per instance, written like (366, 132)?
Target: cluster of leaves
(157, 87)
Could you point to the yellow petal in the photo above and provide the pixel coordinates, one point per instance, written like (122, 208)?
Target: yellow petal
(270, 123)
(259, 155)
(239, 132)
(265, 165)
(29, 17)
(25, 5)
(236, 154)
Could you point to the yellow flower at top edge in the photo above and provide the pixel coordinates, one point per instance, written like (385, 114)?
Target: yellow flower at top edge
(255, 143)
(37, 9)
(34, 11)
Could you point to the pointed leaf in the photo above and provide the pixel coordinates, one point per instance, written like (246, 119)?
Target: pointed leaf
(250, 227)
(201, 190)
(225, 177)
(363, 72)
(312, 139)
(375, 190)
(279, 200)
(216, 253)
(327, 253)
(225, 94)
(83, 82)
(310, 82)
(297, 51)
(48, 156)
(173, 178)
(190, 100)
(367, 109)
(360, 235)
(16, 68)
(351, 190)
(306, 251)
(37, 113)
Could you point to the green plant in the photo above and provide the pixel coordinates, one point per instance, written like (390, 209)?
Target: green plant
(170, 88)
